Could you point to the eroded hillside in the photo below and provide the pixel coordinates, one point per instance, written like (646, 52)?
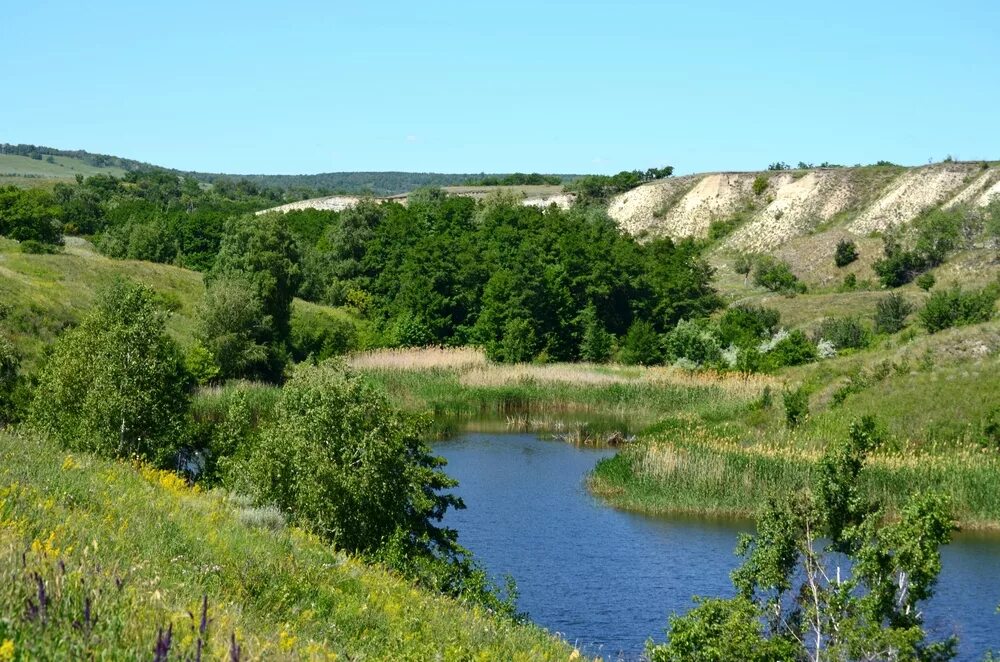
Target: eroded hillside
(769, 209)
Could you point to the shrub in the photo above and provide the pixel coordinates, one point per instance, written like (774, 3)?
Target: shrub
(641, 345)
(891, 313)
(846, 252)
(743, 265)
(794, 349)
(691, 341)
(843, 332)
(116, 385)
(938, 233)
(776, 276)
(796, 406)
(745, 325)
(759, 185)
(956, 307)
(320, 334)
(850, 283)
(33, 247)
(926, 281)
(344, 463)
(9, 364)
(897, 266)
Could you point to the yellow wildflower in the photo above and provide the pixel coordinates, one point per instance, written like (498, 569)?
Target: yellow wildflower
(7, 650)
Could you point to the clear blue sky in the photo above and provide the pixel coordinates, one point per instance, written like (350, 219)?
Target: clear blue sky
(305, 87)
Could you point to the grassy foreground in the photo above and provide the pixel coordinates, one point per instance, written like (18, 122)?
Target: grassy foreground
(105, 560)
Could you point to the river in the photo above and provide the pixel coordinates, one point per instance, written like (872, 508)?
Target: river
(606, 580)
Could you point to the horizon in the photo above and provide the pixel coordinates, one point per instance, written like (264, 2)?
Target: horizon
(553, 88)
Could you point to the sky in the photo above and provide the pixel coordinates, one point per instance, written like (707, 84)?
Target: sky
(567, 87)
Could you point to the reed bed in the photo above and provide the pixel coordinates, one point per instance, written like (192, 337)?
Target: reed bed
(418, 358)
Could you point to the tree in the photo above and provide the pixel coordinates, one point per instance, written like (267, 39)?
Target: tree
(260, 252)
(116, 384)
(29, 214)
(596, 343)
(232, 326)
(641, 345)
(343, 462)
(796, 599)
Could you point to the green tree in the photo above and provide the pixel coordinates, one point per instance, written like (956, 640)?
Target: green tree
(641, 345)
(29, 214)
(116, 385)
(596, 343)
(795, 601)
(233, 327)
(259, 251)
(343, 462)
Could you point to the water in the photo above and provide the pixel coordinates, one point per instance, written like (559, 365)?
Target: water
(606, 580)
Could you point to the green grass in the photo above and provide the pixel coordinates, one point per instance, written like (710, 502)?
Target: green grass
(26, 171)
(99, 558)
(44, 294)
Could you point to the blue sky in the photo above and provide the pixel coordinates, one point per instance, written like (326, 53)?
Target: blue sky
(305, 87)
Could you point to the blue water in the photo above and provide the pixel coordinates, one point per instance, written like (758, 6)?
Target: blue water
(606, 580)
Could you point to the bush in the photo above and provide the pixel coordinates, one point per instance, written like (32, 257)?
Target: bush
(776, 276)
(926, 281)
(850, 283)
(320, 334)
(938, 233)
(116, 385)
(956, 307)
(898, 266)
(843, 332)
(891, 313)
(9, 364)
(641, 345)
(846, 252)
(32, 247)
(744, 325)
(344, 463)
(759, 185)
(796, 406)
(743, 265)
(793, 349)
(692, 342)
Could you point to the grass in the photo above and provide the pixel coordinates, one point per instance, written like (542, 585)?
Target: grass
(456, 385)
(41, 295)
(107, 560)
(26, 171)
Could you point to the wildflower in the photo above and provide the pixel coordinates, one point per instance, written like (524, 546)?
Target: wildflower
(7, 650)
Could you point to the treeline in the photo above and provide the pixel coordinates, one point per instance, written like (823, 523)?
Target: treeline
(146, 215)
(39, 152)
(597, 188)
(516, 179)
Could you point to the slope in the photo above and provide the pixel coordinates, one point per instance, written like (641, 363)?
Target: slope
(106, 560)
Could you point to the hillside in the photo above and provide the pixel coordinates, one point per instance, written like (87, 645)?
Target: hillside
(29, 165)
(789, 204)
(107, 560)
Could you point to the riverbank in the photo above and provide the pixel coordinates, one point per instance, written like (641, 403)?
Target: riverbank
(103, 558)
(718, 445)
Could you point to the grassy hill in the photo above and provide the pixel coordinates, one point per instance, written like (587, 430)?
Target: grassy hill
(108, 560)
(17, 166)
(26, 171)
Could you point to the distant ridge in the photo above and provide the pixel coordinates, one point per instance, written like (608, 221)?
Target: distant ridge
(377, 183)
